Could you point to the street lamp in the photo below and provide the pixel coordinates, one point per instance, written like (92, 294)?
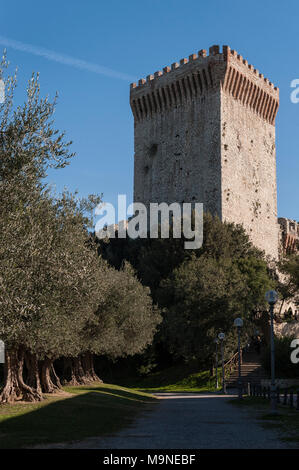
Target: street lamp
(221, 336)
(272, 297)
(238, 323)
(216, 340)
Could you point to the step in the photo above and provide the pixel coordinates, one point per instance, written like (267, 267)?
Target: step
(246, 379)
(251, 364)
(248, 372)
(261, 374)
(244, 382)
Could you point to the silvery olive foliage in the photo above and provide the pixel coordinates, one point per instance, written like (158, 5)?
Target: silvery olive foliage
(125, 320)
(29, 145)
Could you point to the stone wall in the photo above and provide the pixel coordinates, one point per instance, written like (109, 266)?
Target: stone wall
(289, 235)
(287, 329)
(249, 173)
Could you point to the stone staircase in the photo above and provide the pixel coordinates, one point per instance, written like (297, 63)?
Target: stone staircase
(251, 371)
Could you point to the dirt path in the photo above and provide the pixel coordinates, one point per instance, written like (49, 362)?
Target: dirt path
(186, 421)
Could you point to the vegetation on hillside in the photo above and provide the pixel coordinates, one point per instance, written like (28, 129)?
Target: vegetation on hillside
(199, 292)
(290, 287)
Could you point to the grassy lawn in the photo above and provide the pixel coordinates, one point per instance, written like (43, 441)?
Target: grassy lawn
(179, 378)
(286, 421)
(80, 413)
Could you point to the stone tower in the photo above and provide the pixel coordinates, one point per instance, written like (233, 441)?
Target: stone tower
(205, 132)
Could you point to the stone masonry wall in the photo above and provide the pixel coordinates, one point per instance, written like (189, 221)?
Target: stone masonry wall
(249, 194)
(289, 236)
(172, 163)
(249, 174)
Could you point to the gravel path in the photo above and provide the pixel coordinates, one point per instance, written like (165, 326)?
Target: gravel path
(189, 421)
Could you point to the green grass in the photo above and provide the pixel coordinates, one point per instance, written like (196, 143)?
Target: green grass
(178, 378)
(286, 421)
(87, 411)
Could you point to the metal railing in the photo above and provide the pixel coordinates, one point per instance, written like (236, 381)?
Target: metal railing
(283, 397)
(232, 364)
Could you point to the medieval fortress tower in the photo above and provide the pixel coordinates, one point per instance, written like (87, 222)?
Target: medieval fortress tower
(205, 132)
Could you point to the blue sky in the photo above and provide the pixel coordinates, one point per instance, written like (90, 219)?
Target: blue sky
(135, 38)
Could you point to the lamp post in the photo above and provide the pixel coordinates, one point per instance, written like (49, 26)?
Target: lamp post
(272, 297)
(216, 342)
(238, 323)
(221, 336)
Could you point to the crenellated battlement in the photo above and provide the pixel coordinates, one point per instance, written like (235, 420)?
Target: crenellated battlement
(198, 75)
(193, 58)
(214, 50)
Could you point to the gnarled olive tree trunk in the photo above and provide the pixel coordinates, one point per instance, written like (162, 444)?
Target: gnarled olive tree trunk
(50, 381)
(14, 385)
(80, 370)
(88, 366)
(75, 374)
(32, 366)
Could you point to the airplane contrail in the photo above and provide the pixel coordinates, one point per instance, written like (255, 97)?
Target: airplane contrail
(64, 59)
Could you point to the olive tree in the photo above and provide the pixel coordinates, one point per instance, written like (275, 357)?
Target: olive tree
(123, 324)
(29, 145)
